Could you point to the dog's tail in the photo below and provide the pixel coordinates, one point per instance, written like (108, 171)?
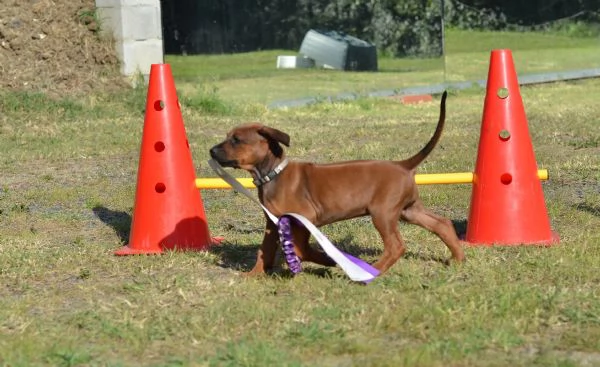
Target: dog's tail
(415, 160)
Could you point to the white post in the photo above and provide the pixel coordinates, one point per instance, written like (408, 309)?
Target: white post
(137, 30)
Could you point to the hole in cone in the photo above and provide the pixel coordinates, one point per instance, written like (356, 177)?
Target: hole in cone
(160, 187)
(159, 146)
(506, 178)
(502, 93)
(159, 105)
(504, 135)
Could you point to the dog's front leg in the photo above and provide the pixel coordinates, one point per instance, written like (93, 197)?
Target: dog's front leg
(268, 249)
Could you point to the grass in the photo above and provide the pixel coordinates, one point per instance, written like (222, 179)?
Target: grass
(66, 199)
(468, 53)
(258, 80)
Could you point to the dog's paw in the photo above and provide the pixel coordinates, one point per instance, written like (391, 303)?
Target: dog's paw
(455, 261)
(254, 273)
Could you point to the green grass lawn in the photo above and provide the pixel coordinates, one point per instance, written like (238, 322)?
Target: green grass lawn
(257, 80)
(468, 53)
(67, 190)
(254, 78)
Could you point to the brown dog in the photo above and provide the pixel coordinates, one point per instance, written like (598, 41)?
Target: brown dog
(328, 193)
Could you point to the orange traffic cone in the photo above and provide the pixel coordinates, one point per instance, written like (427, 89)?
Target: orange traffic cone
(507, 201)
(168, 213)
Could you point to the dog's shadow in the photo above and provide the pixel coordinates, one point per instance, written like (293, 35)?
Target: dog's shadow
(347, 244)
(242, 257)
(235, 256)
(460, 227)
(591, 209)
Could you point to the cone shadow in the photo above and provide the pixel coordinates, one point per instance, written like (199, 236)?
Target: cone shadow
(119, 221)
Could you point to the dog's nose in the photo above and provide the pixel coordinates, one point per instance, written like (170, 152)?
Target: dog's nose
(213, 152)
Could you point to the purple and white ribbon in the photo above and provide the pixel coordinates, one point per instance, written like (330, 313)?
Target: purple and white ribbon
(356, 269)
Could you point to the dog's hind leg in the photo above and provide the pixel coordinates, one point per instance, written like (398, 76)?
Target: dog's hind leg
(442, 227)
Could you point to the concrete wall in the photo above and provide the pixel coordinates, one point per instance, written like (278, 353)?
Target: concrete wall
(137, 30)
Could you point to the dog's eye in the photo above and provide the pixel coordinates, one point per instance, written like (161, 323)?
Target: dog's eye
(235, 140)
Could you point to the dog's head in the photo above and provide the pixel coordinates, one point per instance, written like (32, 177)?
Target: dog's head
(248, 145)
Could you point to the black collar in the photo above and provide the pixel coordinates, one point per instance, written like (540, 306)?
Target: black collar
(271, 174)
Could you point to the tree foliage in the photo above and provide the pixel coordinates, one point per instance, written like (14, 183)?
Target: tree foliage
(396, 27)
(533, 12)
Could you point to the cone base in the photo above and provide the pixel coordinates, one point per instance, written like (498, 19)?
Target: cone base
(217, 240)
(553, 240)
(126, 250)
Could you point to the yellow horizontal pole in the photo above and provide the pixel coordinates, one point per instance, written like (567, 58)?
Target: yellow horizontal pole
(420, 179)
(218, 183)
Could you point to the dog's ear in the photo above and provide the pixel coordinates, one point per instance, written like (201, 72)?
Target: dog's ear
(274, 134)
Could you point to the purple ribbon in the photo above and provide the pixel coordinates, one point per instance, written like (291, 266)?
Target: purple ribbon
(287, 244)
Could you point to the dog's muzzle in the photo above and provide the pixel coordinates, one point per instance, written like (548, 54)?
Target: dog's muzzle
(218, 155)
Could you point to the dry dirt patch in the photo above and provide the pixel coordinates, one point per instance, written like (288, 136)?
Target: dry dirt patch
(54, 46)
